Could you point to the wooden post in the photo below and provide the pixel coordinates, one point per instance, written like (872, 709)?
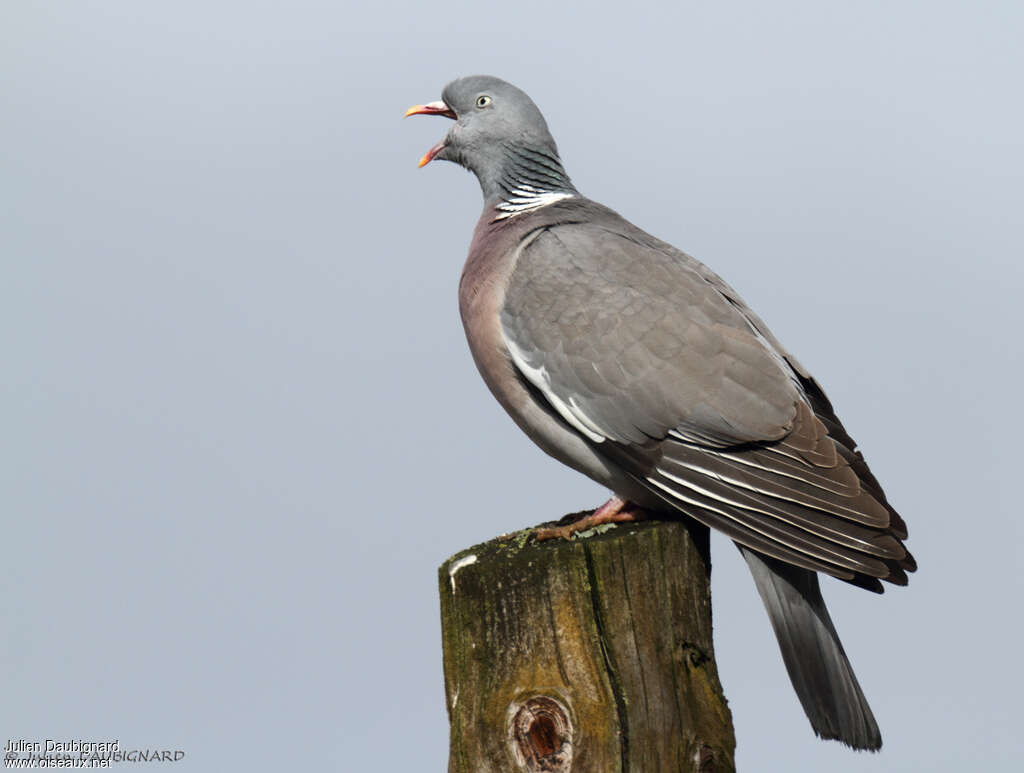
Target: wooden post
(586, 656)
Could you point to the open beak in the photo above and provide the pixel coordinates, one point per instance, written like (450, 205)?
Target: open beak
(431, 108)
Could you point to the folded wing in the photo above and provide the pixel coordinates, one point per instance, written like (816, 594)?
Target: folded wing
(667, 373)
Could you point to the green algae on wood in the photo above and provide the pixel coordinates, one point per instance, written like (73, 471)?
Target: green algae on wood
(592, 654)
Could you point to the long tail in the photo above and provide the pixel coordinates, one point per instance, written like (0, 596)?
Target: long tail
(821, 674)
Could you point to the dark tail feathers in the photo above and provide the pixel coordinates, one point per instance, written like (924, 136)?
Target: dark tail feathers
(818, 667)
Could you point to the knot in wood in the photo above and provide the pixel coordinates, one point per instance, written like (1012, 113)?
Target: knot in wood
(540, 735)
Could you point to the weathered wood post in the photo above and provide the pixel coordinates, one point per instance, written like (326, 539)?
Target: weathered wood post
(586, 656)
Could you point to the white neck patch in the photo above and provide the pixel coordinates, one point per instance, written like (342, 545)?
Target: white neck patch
(526, 198)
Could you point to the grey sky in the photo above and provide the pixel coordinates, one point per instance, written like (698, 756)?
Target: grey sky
(241, 427)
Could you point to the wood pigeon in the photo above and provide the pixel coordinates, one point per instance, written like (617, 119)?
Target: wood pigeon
(637, 365)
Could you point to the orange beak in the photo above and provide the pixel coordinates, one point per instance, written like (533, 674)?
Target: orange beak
(431, 108)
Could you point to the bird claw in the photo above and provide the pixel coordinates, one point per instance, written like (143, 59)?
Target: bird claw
(612, 511)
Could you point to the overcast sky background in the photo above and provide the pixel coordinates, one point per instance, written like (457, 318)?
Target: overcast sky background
(241, 427)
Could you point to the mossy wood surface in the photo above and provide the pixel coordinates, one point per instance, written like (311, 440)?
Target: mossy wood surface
(592, 655)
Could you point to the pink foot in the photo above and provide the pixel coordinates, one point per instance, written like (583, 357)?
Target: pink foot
(612, 511)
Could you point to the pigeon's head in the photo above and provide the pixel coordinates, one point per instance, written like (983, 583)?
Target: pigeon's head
(496, 127)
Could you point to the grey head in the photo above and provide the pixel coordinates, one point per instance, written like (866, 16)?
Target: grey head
(500, 136)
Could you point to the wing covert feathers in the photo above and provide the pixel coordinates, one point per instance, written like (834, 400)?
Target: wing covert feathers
(638, 345)
(663, 369)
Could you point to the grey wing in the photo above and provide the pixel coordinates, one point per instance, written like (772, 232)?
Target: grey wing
(630, 344)
(647, 354)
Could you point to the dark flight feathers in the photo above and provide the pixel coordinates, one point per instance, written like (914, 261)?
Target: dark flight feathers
(663, 368)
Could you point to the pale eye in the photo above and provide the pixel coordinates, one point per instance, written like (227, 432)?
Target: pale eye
(483, 101)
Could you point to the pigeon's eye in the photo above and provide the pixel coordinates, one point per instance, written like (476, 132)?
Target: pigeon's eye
(483, 101)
